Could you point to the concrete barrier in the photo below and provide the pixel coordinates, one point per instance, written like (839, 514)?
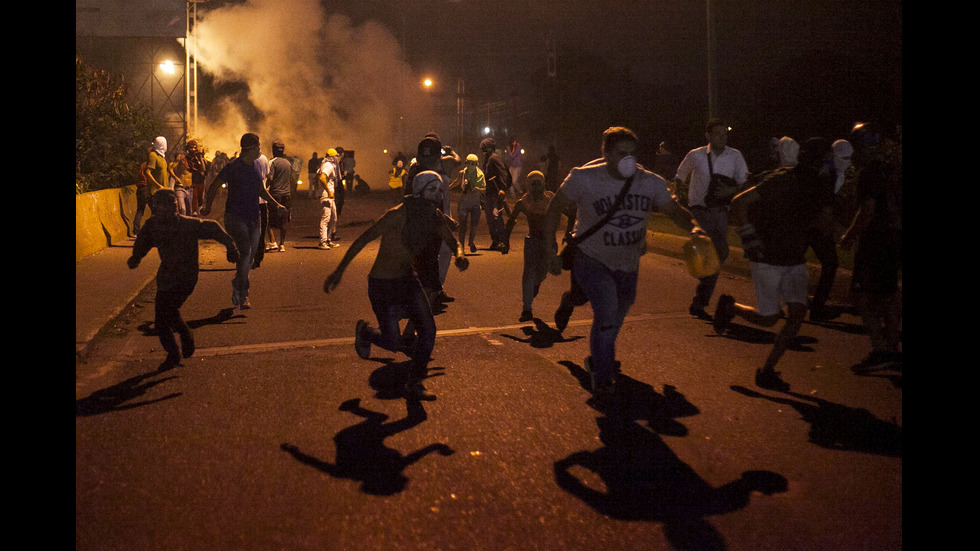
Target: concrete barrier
(103, 218)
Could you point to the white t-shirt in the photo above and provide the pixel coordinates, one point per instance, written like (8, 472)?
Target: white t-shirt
(730, 163)
(262, 168)
(329, 168)
(619, 243)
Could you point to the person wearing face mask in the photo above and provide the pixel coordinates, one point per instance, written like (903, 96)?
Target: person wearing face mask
(394, 289)
(157, 170)
(242, 217)
(533, 205)
(472, 185)
(774, 219)
(608, 259)
(717, 172)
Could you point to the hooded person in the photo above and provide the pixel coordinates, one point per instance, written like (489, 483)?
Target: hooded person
(393, 287)
(788, 151)
(157, 170)
(433, 265)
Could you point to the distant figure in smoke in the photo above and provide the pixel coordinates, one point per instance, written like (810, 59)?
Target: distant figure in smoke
(242, 218)
(397, 178)
(198, 166)
(176, 238)
(340, 190)
(328, 178)
(311, 169)
(347, 165)
(393, 288)
(280, 187)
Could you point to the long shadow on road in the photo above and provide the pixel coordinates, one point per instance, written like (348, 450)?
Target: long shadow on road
(362, 455)
(644, 479)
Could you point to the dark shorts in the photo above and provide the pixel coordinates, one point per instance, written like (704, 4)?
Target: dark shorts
(279, 218)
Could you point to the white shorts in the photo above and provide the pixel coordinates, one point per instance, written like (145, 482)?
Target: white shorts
(775, 285)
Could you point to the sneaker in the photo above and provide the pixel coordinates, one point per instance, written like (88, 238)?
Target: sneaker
(187, 346)
(246, 304)
(324, 246)
(271, 247)
(361, 344)
(526, 316)
(698, 312)
(822, 313)
(472, 247)
(770, 380)
(876, 360)
(724, 313)
(282, 248)
(562, 315)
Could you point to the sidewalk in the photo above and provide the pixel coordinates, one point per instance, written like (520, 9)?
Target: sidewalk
(105, 286)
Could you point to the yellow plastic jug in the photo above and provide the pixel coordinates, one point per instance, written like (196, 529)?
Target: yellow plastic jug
(701, 256)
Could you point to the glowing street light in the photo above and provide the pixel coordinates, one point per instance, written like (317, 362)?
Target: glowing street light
(168, 67)
(427, 83)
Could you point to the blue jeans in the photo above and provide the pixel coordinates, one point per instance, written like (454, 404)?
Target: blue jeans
(247, 234)
(394, 300)
(714, 222)
(610, 293)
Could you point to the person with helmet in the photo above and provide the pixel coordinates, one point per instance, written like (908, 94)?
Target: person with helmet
(773, 219)
(406, 231)
(328, 177)
(472, 185)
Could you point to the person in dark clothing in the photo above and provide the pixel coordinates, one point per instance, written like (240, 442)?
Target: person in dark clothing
(877, 233)
(176, 238)
(773, 219)
(498, 182)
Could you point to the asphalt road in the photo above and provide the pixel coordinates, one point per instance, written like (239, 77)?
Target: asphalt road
(275, 435)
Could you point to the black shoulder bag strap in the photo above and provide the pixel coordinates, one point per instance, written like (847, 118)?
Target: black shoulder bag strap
(619, 201)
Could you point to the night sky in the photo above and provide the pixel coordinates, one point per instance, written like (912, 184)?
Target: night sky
(782, 68)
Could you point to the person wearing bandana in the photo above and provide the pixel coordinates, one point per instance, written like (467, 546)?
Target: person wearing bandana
(394, 290)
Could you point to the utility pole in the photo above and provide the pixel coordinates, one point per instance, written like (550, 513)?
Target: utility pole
(712, 87)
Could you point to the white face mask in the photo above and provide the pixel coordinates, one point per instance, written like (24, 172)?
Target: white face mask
(627, 166)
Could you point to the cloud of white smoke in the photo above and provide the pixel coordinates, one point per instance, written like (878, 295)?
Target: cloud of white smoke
(316, 81)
